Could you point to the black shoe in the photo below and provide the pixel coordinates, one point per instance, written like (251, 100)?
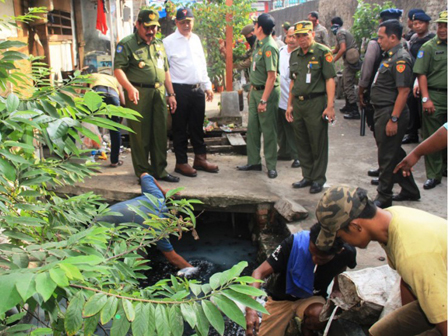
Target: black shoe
(295, 164)
(400, 198)
(383, 205)
(374, 172)
(302, 184)
(375, 181)
(272, 173)
(408, 139)
(343, 109)
(170, 178)
(315, 188)
(352, 116)
(249, 167)
(430, 183)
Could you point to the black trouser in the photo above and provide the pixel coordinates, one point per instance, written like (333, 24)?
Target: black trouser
(414, 107)
(110, 96)
(390, 154)
(188, 120)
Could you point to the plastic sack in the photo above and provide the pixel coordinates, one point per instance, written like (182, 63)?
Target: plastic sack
(89, 143)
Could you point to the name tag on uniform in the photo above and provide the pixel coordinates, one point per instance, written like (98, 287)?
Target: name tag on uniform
(160, 63)
(440, 52)
(308, 78)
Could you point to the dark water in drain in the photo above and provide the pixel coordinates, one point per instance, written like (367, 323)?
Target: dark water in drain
(221, 245)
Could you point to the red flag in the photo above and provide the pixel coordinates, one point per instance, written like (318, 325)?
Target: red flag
(101, 23)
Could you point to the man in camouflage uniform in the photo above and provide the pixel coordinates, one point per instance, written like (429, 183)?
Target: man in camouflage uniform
(141, 67)
(244, 62)
(431, 69)
(311, 105)
(264, 97)
(414, 241)
(389, 92)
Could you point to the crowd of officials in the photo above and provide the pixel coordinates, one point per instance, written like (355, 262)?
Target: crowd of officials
(403, 84)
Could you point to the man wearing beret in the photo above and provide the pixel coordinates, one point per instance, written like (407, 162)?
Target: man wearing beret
(431, 69)
(263, 100)
(141, 68)
(311, 105)
(415, 243)
(390, 89)
(191, 86)
(420, 23)
(410, 23)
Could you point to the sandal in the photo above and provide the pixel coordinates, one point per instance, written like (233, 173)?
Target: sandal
(115, 165)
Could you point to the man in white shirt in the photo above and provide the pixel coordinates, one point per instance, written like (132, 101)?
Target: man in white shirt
(188, 70)
(285, 132)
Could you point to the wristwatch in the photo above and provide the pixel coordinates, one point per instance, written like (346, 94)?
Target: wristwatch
(171, 94)
(263, 102)
(424, 99)
(394, 119)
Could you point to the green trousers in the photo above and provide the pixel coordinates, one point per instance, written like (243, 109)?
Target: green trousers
(263, 123)
(435, 163)
(287, 146)
(311, 132)
(150, 137)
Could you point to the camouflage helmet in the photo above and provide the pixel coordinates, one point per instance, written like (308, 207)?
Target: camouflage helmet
(336, 209)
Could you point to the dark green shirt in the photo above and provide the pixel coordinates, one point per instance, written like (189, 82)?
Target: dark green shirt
(395, 71)
(318, 62)
(432, 62)
(142, 63)
(264, 59)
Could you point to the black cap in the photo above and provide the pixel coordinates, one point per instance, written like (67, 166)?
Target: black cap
(265, 20)
(421, 16)
(184, 14)
(414, 11)
(390, 14)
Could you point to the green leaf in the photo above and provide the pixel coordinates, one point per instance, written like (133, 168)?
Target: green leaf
(140, 325)
(109, 309)
(7, 170)
(11, 55)
(49, 108)
(71, 271)
(93, 100)
(13, 157)
(18, 235)
(90, 324)
(12, 44)
(15, 317)
(214, 280)
(94, 305)
(162, 323)
(26, 285)
(19, 327)
(41, 331)
(90, 260)
(21, 260)
(233, 272)
(73, 316)
(203, 324)
(27, 221)
(44, 285)
(128, 309)
(196, 289)
(214, 316)
(12, 102)
(248, 290)
(230, 309)
(176, 320)
(120, 325)
(172, 192)
(245, 300)
(58, 276)
(188, 314)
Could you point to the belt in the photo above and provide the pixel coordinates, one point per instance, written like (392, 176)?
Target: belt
(260, 87)
(147, 86)
(377, 107)
(310, 96)
(436, 89)
(189, 86)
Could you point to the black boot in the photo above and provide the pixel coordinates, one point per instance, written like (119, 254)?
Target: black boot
(345, 108)
(353, 112)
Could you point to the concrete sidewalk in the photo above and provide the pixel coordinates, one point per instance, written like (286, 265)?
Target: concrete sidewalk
(350, 157)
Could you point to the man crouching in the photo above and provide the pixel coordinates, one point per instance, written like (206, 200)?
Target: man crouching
(298, 287)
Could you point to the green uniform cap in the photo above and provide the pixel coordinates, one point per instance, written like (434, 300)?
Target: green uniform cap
(303, 27)
(335, 210)
(149, 17)
(443, 17)
(286, 25)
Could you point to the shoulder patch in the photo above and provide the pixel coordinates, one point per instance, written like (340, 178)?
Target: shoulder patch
(420, 54)
(401, 67)
(268, 53)
(329, 57)
(119, 48)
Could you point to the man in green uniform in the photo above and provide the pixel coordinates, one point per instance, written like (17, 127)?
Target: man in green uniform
(264, 97)
(141, 67)
(311, 104)
(431, 69)
(390, 89)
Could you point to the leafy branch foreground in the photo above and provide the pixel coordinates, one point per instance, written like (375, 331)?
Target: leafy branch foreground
(56, 254)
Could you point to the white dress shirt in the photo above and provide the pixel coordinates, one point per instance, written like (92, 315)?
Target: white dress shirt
(187, 60)
(284, 77)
